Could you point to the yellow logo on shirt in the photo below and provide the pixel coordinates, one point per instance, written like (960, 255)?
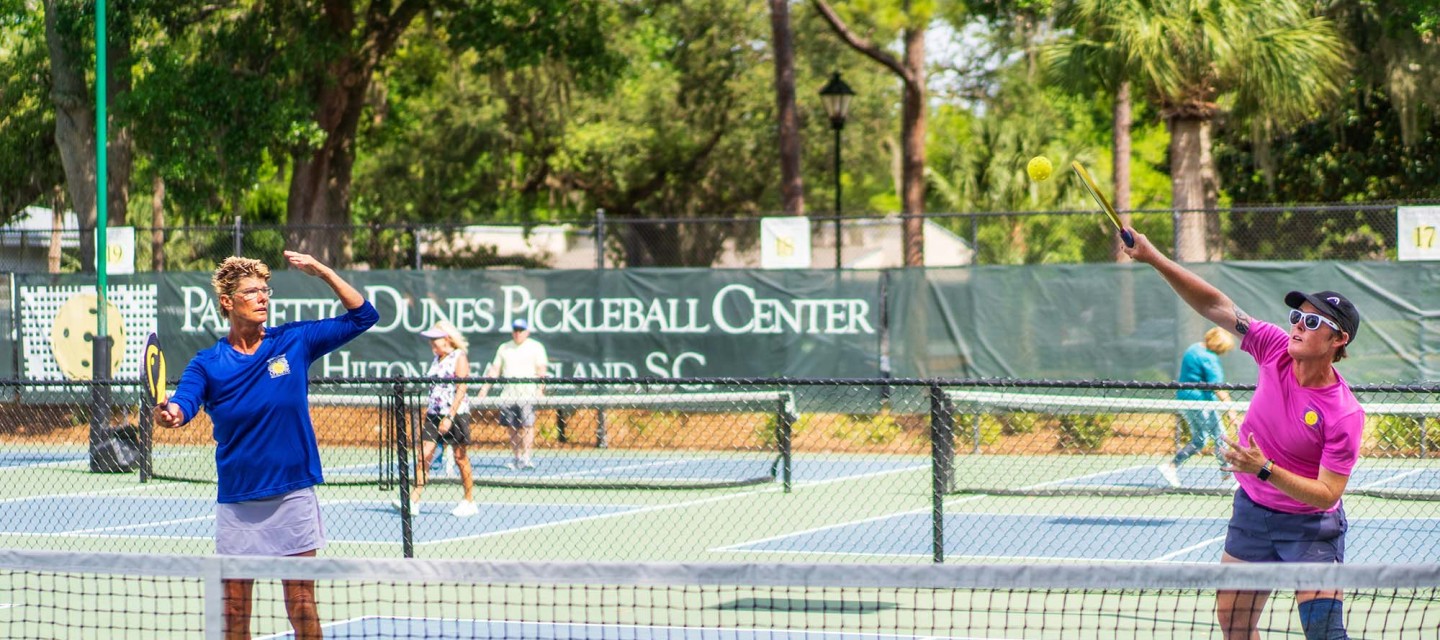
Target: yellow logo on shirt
(1311, 418)
(278, 366)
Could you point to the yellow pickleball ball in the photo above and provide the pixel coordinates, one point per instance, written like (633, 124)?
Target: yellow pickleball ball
(1039, 168)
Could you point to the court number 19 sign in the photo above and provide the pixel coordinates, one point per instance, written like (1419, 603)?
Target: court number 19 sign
(1419, 233)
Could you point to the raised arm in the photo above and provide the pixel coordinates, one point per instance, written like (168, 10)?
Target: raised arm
(1202, 296)
(347, 294)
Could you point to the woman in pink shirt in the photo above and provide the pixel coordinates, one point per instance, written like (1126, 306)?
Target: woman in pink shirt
(1294, 452)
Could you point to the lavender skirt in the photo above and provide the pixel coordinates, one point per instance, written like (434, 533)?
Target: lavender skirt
(283, 525)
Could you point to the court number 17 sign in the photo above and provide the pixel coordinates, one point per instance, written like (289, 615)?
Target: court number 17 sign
(1419, 233)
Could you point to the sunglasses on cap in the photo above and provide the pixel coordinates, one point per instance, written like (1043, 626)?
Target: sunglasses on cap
(1312, 320)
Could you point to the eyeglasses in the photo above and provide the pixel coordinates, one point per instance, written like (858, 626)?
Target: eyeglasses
(252, 294)
(1312, 320)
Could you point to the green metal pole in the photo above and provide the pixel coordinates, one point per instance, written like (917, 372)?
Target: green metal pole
(102, 169)
(102, 458)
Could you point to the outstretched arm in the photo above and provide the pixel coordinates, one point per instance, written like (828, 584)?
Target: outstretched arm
(1202, 296)
(347, 294)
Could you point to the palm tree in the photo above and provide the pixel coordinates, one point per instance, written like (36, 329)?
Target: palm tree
(1272, 62)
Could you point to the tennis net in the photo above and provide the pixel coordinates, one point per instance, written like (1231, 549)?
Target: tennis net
(1111, 441)
(49, 594)
(583, 438)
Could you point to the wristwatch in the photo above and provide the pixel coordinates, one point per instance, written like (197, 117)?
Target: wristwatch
(1264, 472)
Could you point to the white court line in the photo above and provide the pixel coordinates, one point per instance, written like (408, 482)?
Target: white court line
(661, 507)
(947, 501)
(1193, 547)
(1393, 478)
(138, 525)
(520, 626)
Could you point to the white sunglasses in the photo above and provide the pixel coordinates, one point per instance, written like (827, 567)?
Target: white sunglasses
(1312, 320)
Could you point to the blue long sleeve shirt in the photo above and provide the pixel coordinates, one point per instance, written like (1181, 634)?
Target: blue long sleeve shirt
(259, 404)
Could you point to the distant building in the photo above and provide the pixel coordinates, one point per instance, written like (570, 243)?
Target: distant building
(25, 240)
(866, 243)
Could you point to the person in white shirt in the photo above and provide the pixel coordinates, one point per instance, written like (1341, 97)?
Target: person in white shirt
(521, 357)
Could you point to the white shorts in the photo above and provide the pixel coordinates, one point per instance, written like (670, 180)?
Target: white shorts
(283, 525)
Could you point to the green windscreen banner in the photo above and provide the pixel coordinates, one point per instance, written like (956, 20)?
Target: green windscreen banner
(1117, 322)
(1123, 322)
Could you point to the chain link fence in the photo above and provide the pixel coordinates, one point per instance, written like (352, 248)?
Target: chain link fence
(893, 471)
(1367, 232)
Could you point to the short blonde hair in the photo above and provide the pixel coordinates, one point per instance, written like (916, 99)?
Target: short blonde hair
(457, 341)
(1219, 340)
(230, 272)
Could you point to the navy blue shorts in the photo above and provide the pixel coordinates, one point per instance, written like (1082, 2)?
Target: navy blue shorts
(1261, 534)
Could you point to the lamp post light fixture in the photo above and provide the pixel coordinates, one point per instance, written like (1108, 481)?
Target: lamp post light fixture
(836, 96)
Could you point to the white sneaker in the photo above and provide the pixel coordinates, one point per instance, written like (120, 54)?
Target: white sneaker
(465, 509)
(414, 507)
(1168, 470)
(527, 464)
(512, 465)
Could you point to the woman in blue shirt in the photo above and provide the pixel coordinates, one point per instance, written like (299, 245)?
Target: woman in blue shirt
(1201, 363)
(253, 385)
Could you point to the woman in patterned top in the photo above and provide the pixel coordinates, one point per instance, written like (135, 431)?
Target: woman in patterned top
(447, 416)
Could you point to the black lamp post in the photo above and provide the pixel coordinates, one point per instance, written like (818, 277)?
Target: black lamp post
(836, 95)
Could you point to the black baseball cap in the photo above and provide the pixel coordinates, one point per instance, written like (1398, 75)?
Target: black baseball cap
(1332, 305)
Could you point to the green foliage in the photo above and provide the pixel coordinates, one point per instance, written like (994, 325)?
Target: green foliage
(1085, 432)
(1403, 435)
(29, 160)
(865, 428)
(654, 422)
(991, 428)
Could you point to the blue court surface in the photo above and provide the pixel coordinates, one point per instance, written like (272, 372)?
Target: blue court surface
(385, 627)
(1085, 537)
(23, 458)
(345, 521)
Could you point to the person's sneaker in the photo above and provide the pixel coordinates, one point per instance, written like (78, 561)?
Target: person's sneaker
(465, 509)
(527, 465)
(512, 465)
(1168, 470)
(414, 507)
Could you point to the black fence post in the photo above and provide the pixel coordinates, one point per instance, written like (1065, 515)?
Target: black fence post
(147, 440)
(784, 428)
(942, 460)
(599, 238)
(402, 455)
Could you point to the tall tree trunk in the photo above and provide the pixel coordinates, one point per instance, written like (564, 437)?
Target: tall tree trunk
(157, 224)
(911, 71)
(1120, 133)
(319, 199)
(1187, 152)
(57, 228)
(120, 148)
(1210, 192)
(74, 129)
(912, 141)
(792, 189)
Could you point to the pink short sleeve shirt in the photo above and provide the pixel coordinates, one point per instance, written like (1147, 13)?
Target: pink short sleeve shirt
(1301, 429)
